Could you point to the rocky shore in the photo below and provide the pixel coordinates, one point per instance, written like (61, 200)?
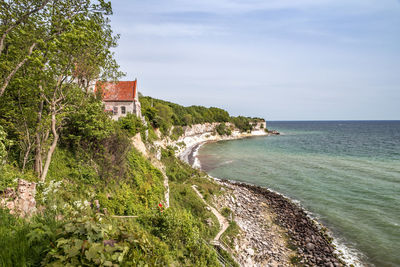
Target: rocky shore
(276, 231)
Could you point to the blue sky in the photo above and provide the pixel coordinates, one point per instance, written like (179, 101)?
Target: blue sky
(278, 59)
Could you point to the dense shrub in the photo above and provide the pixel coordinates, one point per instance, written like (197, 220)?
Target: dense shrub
(103, 242)
(86, 126)
(25, 243)
(131, 123)
(242, 123)
(223, 130)
(177, 131)
(179, 229)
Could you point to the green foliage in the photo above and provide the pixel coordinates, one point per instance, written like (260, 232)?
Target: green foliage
(230, 234)
(227, 257)
(176, 170)
(163, 114)
(226, 212)
(242, 123)
(152, 136)
(99, 241)
(50, 56)
(223, 130)
(3, 144)
(184, 198)
(87, 125)
(25, 243)
(179, 229)
(131, 123)
(177, 131)
(9, 176)
(141, 190)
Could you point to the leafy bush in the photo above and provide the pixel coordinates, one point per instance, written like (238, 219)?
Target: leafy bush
(131, 123)
(176, 170)
(99, 241)
(25, 243)
(9, 176)
(242, 123)
(223, 130)
(177, 131)
(87, 126)
(180, 230)
(226, 212)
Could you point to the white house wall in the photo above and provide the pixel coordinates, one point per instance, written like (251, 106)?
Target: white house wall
(130, 108)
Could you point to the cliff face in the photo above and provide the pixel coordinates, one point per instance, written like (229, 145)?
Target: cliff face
(199, 129)
(201, 133)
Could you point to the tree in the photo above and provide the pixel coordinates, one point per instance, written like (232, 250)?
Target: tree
(71, 42)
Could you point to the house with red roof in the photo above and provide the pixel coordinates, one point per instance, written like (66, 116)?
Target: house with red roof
(120, 98)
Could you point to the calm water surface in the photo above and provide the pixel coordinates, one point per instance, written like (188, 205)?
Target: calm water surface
(346, 173)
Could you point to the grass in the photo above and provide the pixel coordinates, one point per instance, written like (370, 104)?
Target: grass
(25, 243)
(230, 234)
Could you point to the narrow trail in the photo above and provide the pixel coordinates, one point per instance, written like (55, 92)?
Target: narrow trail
(223, 222)
(161, 168)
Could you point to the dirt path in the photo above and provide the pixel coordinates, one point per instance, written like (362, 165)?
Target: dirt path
(156, 163)
(223, 222)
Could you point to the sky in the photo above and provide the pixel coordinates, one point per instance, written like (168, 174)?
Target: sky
(276, 59)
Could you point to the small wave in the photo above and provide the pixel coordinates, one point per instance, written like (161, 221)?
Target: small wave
(226, 162)
(349, 255)
(196, 161)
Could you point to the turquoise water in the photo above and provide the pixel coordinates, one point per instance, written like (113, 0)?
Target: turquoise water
(346, 173)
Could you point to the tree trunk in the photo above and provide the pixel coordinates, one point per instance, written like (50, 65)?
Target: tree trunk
(38, 151)
(53, 144)
(26, 156)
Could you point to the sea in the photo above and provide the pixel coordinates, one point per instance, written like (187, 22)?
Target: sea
(346, 174)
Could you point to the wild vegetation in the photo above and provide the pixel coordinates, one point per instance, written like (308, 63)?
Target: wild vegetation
(100, 202)
(163, 114)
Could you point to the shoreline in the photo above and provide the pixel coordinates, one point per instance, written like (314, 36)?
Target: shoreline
(314, 242)
(189, 153)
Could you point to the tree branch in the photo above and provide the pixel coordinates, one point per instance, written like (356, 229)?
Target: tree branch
(19, 65)
(19, 21)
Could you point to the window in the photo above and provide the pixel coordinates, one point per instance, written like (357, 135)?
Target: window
(123, 110)
(115, 111)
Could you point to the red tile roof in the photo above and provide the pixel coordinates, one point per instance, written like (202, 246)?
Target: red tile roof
(117, 91)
